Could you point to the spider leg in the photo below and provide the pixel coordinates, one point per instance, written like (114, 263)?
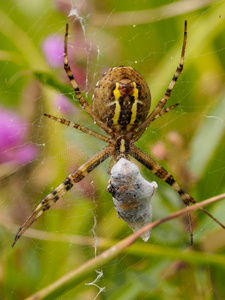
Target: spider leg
(69, 182)
(160, 172)
(164, 111)
(77, 126)
(139, 130)
(77, 91)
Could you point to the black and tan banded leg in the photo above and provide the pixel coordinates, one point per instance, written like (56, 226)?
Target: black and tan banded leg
(57, 193)
(139, 131)
(77, 91)
(79, 127)
(164, 111)
(160, 172)
(160, 114)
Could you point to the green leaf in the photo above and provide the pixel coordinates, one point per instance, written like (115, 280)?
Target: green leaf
(50, 80)
(207, 138)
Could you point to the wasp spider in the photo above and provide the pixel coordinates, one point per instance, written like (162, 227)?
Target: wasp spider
(121, 105)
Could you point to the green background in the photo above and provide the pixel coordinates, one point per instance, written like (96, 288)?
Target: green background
(146, 35)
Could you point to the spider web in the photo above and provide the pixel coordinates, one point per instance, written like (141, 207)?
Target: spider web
(188, 142)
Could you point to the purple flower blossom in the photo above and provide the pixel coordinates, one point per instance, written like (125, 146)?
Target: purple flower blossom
(63, 104)
(82, 7)
(13, 134)
(53, 49)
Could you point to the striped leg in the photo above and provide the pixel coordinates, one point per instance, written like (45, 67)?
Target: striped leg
(139, 131)
(57, 193)
(160, 172)
(164, 111)
(77, 126)
(77, 91)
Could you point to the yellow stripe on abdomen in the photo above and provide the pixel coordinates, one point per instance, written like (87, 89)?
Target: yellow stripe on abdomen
(134, 106)
(117, 111)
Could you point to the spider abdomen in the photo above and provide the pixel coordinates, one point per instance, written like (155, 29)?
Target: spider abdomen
(122, 99)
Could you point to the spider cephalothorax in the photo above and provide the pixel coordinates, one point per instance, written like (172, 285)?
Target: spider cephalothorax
(121, 106)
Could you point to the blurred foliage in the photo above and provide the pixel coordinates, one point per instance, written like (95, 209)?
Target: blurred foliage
(191, 139)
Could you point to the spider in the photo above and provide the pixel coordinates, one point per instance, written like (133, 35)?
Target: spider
(121, 104)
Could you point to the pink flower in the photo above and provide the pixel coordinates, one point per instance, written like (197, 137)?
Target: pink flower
(53, 49)
(63, 104)
(64, 6)
(13, 135)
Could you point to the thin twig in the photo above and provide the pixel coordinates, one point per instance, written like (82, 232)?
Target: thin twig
(71, 279)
